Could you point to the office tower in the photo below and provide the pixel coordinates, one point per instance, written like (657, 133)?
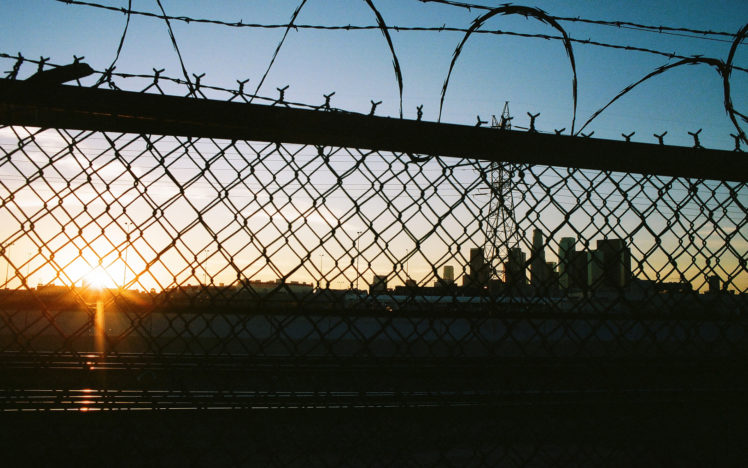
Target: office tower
(538, 268)
(478, 276)
(595, 269)
(565, 254)
(616, 262)
(378, 284)
(448, 274)
(551, 277)
(514, 269)
(714, 284)
(577, 273)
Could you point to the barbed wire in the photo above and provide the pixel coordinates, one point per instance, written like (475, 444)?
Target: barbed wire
(223, 236)
(121, 43)
(618, 24)
(278, 47)
(107, 75)
(650, 28)
(724, 68)
(396, 28)
(212, 309)
(509, 10)
(176, 46)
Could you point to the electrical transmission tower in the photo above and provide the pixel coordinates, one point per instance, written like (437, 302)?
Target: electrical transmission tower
(501, 227)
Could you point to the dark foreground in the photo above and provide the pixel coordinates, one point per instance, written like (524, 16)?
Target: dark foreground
(618, 430)
(212, 388)
(151, 410)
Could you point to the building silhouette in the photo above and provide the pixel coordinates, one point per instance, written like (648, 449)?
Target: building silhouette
(576, 273)
(566, 252)
(514, 270)
(479, 269)
(550, 284)
(616, 263)
(586, 271)
(447, 279)
(537, 260)
(595, 267)
(378, 284)
(448, 274)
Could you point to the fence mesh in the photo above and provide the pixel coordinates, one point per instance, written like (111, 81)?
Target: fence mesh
(521, 301)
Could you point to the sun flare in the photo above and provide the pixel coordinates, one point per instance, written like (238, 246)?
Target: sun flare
(93, 277)
(99, 278)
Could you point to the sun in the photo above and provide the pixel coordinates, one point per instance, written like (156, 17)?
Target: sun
(99, 278)
(93, 277)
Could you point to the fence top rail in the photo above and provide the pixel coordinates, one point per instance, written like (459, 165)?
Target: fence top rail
(96, 109)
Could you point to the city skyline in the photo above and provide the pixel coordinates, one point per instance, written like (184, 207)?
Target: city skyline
(453, 191)
(407, 232)
(608, 265)
(103, 181)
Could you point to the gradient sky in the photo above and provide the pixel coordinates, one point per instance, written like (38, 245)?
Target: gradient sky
(532, 74)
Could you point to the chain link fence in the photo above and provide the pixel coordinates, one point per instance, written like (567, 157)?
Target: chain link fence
(424, 308)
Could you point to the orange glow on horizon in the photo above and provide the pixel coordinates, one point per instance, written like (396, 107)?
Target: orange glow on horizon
(97, 278)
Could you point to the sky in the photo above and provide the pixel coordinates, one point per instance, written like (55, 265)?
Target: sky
(532, 74)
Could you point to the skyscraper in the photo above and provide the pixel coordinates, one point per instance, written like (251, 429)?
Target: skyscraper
(616, 262)
(595, 269)
(565, 253)
(538, 269)
(479, 273)
(577, 274)
(448, 274)
(378, 284)
(551, 278)
(514, 269)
